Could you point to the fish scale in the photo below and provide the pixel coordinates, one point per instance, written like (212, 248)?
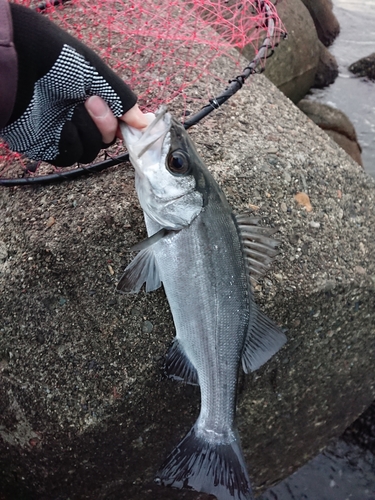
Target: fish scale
(215, 354)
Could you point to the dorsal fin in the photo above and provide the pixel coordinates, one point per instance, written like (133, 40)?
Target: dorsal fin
(259, 248)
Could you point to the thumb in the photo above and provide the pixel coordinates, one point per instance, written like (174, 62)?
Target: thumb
(103, 118)
(135, 118)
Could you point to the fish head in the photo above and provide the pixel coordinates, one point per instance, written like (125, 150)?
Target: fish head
(167, 175)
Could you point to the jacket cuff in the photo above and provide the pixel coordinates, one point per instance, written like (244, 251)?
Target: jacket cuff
(8, 64)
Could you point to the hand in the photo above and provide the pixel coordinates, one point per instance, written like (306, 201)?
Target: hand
(55, 119)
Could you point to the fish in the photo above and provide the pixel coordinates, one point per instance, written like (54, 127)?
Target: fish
(205, 256)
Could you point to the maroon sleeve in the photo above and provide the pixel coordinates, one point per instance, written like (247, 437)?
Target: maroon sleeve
(8, 64)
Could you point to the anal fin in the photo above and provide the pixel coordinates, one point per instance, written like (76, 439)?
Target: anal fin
(178, 366)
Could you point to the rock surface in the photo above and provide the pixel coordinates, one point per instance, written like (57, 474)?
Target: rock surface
(336, 124)
(326, 23)
(365, 67)
(84, 410)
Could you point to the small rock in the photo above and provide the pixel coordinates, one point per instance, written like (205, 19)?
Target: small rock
(147, 327)
(3, 251)
(360, 270)
(315, 225)
(272, 150)
(283, 207)
(50, 222)
(304, 200)
(287, 177)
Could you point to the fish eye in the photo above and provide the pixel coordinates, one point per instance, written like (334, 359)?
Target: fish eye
(178, 163)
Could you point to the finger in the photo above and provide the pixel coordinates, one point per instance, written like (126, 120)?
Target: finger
(103, 118)
(135, 118)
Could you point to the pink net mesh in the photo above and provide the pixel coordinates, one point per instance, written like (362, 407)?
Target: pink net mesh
(162, 48)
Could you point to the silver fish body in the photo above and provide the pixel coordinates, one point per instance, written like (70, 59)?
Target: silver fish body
(206, 279)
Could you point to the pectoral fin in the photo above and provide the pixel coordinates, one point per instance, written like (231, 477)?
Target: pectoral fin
(264, 339)
(142, 269)
(151, 240)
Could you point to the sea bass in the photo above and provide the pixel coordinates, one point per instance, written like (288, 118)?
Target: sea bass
(203, 254)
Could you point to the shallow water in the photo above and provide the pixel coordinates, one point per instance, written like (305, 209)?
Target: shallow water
(354, 96)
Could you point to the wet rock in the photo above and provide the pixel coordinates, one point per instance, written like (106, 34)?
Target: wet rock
(365, 67)
(327, 70)
(326, 23)
(71, 430)
(336, 124)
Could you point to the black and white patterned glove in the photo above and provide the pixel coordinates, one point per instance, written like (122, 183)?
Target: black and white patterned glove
(56, 74)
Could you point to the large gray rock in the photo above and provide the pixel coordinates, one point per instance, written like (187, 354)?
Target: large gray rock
(336, 124)
(301, 61)
(84, 411)
(326, 23)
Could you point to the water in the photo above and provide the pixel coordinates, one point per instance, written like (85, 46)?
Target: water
(343, 472)
(354, 96)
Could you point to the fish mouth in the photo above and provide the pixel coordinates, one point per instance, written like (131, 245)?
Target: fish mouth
(139, 141)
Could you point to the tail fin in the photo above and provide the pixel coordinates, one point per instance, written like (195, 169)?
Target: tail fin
(217, 469)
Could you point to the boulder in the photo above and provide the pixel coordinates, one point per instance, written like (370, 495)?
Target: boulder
(301, 61)
(84, 409)
(336, 124)
(326, 23)
(327, 70)
(365, 67)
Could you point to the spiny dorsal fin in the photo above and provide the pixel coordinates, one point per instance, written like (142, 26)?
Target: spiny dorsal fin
(142, 269)
(259, 248)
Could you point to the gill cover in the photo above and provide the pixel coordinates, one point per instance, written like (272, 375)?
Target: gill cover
(164, 171)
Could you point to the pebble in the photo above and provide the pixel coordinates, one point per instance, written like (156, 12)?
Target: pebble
(287, 177)
(315, 225)
(3, 251)
(304, 200)
(147, 327)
